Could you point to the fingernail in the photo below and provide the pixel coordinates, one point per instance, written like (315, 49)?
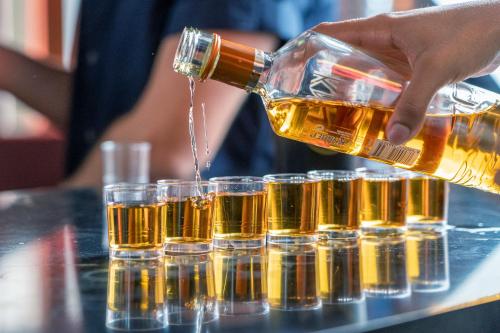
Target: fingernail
(398, 134)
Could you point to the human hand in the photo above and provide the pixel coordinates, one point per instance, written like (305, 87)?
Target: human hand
(441, 45)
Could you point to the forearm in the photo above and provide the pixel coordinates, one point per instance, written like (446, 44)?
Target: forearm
(42, 87)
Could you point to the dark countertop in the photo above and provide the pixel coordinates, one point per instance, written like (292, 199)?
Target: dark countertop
(54, 270)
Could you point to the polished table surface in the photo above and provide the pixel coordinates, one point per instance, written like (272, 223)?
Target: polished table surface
(54, 270)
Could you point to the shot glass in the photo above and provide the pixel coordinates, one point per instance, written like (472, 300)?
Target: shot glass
(293, 277)
(125, 162)
(189, 209)
(190, 290)
(339, 199)
(384, 200)
(291, 209)
(136, 295)
(241, 281)
(239, 212)
(383, 266)
(427, 259)
(339, 271)
(136, 220)
(427, 201)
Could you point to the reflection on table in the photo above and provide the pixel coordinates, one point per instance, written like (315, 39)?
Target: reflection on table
(194, 289)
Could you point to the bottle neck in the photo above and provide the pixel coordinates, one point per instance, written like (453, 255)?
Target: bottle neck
(236, 64)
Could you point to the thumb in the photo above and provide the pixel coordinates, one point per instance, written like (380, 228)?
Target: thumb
(409, 115)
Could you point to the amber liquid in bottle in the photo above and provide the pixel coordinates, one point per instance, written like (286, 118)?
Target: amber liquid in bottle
(239, 216)
(135, 227)
(454, 147)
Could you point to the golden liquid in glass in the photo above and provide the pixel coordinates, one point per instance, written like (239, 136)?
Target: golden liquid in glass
(427, 200)
(189, 220)
(136, 227)
(339, 204)
(240, 216)
(291, 208)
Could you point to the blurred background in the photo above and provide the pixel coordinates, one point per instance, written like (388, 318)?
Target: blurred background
(31, 148)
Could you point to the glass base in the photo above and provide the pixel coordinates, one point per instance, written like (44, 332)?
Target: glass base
(337, 234)
(123, 321)
(135, 254)
(387, 293)
(427, 224)
(429, 287)
(291, 240)
(238, 243)
(382, 231)
(297, 307)
(192, 317)
(343, 300)
(187, 247)
(256, 308)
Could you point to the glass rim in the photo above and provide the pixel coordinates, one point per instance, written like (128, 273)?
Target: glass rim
(288, 178)
(167, 181)
(237, 180)
(185, 183)
(133, 187)
(383, 173)
(334, 174)
(111, 144)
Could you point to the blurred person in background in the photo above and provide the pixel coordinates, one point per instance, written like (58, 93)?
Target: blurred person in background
(124, 89)
(440, 45)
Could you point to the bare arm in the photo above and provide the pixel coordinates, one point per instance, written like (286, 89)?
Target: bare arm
(45, 88)
(161, 116)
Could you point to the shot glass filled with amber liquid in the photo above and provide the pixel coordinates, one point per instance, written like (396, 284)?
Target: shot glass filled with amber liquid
(189, 209)
(427, 201)
(136, 295)
(190, 289)
(427, 259)
(239, 218)
(339, 271)
(384, 200)
(338, 202)
(241, 281)
(291, 209)
(383, 265)
(136, 220)
(292, 275)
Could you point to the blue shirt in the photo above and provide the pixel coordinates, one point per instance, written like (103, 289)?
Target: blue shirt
(117, 46)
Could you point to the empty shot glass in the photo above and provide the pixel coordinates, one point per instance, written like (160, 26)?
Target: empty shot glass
(291, 209)
(427, 201)
(125, 162)
(384, 200)
(189, 209)
(239, 212)
(136, 220)
(292, 276)
(427, 259)
(190, 290)
(136, 295)
(241, 281)
(339, 199)
(383, 265)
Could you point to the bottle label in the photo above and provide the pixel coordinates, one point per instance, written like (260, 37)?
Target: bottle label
(386, 151)
(336, 136)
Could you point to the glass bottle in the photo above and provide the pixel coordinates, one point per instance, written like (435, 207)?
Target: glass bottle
(324, 92)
